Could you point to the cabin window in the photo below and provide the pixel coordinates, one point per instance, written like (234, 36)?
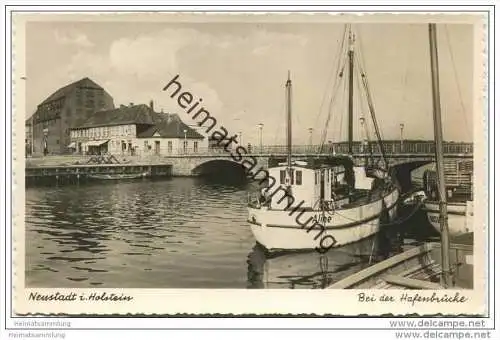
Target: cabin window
(282, 176)
(298, 177)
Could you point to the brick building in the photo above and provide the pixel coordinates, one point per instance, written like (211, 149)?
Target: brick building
(66, 108)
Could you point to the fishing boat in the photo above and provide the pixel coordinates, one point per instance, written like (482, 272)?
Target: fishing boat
(321, 203)
(431, 265)
(459, 198)
(118, 176)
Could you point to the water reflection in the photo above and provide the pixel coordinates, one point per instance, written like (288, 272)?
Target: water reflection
(311, 269)
(178, 233)
(183, 232)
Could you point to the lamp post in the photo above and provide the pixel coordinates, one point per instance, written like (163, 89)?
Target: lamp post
(310, 138)
(401, 127)
(185, 141)
(45, 141)
(362, 139)
(260, 125)
(241, 137)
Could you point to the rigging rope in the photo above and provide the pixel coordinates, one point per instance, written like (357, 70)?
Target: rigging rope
(455, 73)
(366, 130)
(339, 72)
(371, 108)
(342, 102)
(337, 60)
(330, 106)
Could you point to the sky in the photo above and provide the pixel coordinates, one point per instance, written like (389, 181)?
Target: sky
(239, 69)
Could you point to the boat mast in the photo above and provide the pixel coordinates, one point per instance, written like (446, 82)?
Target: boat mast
(438, 138)
(289, 124)
(351, 90)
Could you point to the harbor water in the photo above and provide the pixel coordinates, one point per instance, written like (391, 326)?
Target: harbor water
(170, 233)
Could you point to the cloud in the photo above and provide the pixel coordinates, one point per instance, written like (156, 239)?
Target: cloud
(135, 69)
(78, 39)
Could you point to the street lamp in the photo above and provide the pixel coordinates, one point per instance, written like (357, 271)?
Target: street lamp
(241, 137)
(45, 141)
(362, 139)
(260, 125)
(310, 137)
(185, 141)
(401, 127)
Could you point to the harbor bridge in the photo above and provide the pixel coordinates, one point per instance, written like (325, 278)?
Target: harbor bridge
(402, 157)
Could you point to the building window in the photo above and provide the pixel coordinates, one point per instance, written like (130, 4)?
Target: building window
(169, 146)
(57, 141)
(282, 176)
(298, 177)
(315, 177)
(195, 146)
(185, 145)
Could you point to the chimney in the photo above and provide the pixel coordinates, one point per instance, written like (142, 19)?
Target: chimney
(151, 105)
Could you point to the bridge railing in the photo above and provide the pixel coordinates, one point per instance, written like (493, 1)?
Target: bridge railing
(390, 147)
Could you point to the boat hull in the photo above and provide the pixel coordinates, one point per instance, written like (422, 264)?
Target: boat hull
(288, 230)
(116, 177)
(460, 217)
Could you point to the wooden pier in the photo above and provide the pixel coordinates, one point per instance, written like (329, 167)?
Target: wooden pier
(66, 174)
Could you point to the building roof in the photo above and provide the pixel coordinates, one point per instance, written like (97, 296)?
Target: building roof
(167, 125)
(170, 125)
(135, 114)
(64, 91)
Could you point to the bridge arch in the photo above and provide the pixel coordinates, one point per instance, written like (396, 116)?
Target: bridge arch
(402, 171)
(220, 168)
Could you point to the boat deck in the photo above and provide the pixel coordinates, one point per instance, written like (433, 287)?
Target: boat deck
(417, 268)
